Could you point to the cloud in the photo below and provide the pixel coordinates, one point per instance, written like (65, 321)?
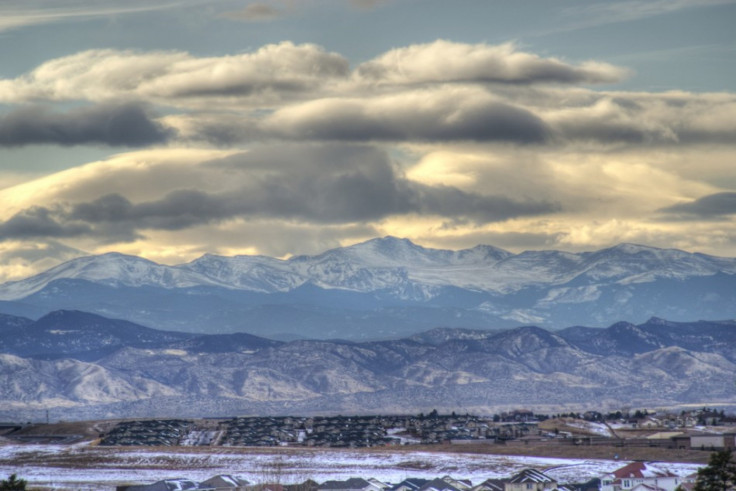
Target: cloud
(21, 259)
(255, 12)
(445, 62)
(282, 72)
(16, 14)
(316, 184)
(40, 222)
(594, 15)
(454, 113)
(643, 119)
(108, 124)
(431, 115)
(718, 205)
(269, 74)
(349, 183)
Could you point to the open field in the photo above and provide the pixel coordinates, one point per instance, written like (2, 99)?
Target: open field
(36, 455)
(87, 466)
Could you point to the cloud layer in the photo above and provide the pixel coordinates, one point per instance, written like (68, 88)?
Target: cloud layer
(289, 149)
(445, 61)
(268, 74)
(108, 124)
(335, 184)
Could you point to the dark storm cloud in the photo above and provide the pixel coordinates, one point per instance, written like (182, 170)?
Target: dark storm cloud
(38, 222)
(347, 183)
(436, 116)
(452, 202)
(177, 210)
(716, 205)
(115, 125)
(315, 184)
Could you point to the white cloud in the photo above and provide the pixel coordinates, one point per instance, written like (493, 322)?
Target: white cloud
(267, 75)
(445, 61)
(16, 14)
(602, 13)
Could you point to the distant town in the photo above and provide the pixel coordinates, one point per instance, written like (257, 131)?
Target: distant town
(698, 429)
(703, 430)
(686, 429)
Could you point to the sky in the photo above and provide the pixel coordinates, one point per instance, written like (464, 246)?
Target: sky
(177, 128)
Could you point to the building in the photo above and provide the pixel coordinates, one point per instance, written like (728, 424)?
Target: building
(530, 480)
(640, 476)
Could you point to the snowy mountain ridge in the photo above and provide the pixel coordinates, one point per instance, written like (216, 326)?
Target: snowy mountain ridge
(384, 264)
(386, 287)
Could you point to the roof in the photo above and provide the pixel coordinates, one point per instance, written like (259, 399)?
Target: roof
(530, 475)
(352, 483)
(412, 483)
(223, 481)
(647, 487)
(166, 485)
(438, 485)
(492, 485)
(641, 470)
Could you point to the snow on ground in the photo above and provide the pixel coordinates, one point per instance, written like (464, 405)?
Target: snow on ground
(591, 427)
(100, 468)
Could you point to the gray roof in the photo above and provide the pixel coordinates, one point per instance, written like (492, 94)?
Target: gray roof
(531, 475)
(352, 483)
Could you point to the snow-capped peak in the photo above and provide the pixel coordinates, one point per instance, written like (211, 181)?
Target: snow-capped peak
(111, 268)
(390, 263)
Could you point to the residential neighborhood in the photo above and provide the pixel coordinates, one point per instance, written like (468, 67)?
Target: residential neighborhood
(637, 476)
(282, 442)
(519, 427)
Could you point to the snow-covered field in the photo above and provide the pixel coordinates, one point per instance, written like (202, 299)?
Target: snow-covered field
(84, 467)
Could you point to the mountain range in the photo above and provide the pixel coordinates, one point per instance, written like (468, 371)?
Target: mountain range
(386, 288)
(78, 365)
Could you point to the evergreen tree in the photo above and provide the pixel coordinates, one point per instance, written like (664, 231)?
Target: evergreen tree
(719, 474)
(12, 484)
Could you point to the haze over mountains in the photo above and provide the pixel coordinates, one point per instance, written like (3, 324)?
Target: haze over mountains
(386, 288)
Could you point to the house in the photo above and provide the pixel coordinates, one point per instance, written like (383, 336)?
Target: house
(591, 485)
(411, 484)
(308, 485)
(379, 484)
(165, 485)
(713, 442)
(439, 485)
(462, 484)
(530, 480)
(490, 485)
(635, 474)
(223, 482)
(352, 484)
(267, 487)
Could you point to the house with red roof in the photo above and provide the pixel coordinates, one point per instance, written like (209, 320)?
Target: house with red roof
(640, 476)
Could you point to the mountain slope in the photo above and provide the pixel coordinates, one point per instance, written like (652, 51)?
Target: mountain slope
(149, 372)
(386, 288)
